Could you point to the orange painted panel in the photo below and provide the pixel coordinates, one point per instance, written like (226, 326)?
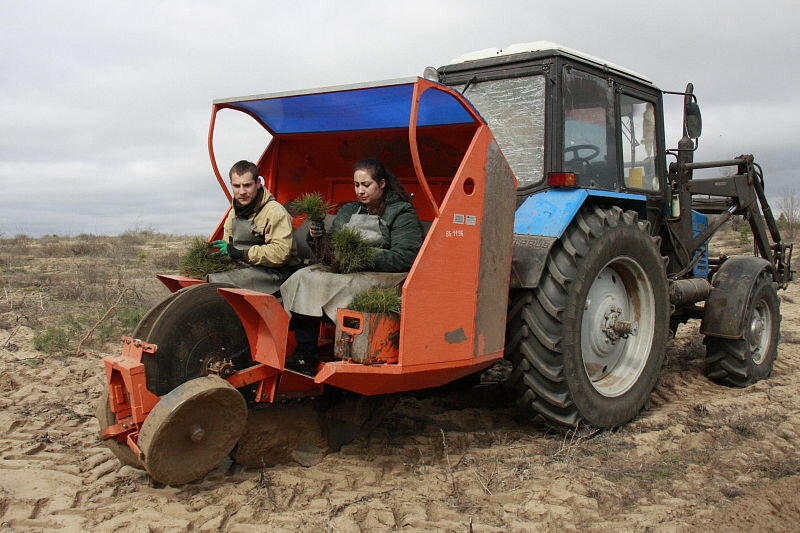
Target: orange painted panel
(439, 295)
(295, 164)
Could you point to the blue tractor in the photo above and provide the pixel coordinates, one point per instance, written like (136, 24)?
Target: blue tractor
(610, 247)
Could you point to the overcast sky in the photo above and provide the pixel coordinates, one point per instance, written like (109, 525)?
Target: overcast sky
(104, 106)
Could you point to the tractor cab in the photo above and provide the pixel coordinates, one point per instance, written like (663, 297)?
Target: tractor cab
(575, 129)
(567, 119)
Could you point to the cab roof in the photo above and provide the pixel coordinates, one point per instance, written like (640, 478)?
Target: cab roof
(532, 50)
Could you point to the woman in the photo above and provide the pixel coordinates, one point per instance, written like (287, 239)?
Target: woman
(385, 218)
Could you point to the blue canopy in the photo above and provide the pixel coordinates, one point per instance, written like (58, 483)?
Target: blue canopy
(348, 108)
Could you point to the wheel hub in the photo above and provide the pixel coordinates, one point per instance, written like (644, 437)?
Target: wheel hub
(218, 365)
(615, 328)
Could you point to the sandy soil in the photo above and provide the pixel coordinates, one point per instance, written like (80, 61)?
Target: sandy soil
(702, 457)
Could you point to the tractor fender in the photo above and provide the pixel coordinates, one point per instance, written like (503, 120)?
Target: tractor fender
(541, 220)
(731, 289)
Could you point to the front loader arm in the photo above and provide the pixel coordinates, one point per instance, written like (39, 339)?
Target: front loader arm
(741, 194)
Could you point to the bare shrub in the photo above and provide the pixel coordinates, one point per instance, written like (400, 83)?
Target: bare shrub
(169, 260)
(77, 289)
(137, 236)
(779, 468)
(789, 206)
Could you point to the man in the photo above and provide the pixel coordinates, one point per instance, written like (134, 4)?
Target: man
(258, 232)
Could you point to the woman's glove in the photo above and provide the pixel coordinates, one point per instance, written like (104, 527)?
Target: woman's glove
(316, 228)
(226, 249)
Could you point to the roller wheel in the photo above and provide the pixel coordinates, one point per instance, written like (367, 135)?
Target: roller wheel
(196, 331)
(144, 326)
(742, 362)
(192, 429)
(105, 417)
(587, 343)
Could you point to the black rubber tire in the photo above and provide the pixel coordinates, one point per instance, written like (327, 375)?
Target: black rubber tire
(544, 324)
(191, 328)
(105, 417)
(735, 362)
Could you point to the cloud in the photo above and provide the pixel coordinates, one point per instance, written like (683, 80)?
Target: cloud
(106, 105)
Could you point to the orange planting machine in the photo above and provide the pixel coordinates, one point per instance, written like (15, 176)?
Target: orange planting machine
(454, 298)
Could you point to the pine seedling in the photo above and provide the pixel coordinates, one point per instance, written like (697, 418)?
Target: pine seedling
(311, 205)
(314, 208)
(376, 301)
(198, 262)
(349, 252)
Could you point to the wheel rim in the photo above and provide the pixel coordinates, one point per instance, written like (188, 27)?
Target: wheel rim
(760, 330)
(617, 327)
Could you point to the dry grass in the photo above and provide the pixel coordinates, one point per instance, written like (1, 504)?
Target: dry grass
(61, 286)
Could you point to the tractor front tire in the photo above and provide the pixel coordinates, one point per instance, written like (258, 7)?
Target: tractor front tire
(743, 362)
(590, 338)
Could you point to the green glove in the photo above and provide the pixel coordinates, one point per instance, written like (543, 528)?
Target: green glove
(316, 228)
(227, 249)
(223, 249)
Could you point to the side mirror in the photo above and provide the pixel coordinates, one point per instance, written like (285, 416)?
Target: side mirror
(692, 121)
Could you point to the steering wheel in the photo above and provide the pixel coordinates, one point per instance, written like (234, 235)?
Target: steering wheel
(576, 149)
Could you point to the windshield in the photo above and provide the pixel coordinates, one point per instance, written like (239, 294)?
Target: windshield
(514, 110)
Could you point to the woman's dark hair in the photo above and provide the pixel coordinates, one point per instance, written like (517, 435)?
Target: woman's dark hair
(379, 172)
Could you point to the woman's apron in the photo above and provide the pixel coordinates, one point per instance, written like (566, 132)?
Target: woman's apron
(315, 290)
(257, 278)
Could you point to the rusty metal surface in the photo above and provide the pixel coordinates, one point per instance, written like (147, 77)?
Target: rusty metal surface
(372, 338)
(686, 291)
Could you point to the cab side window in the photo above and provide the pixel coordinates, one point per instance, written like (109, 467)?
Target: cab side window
(589, 130)
(638, 142)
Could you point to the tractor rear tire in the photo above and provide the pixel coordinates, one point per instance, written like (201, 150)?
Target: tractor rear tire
(743, 362)
(573, 356)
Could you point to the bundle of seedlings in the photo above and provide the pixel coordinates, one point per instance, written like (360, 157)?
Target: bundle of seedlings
(377, 301)
(314, 207)
(198, 262)
(350, 252)
(310, 205)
